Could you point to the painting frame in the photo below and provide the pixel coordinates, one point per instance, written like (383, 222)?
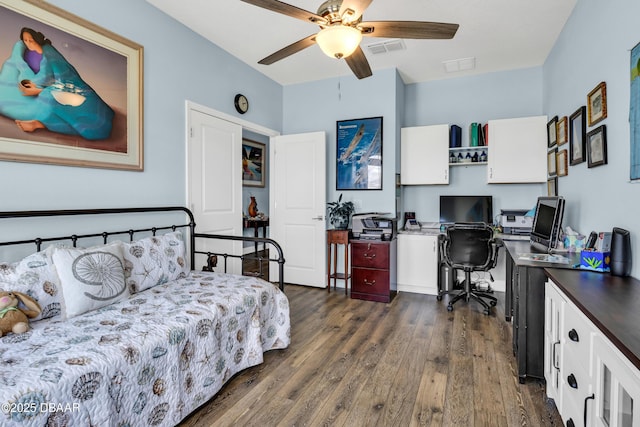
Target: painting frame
(76, 38)
(562, 135)
(597, 104)
(552, 132)
(552, 165)
(562, 162)
(359, 162)
(253, 163)
(577, 136)
(597, 147)
(552, 187)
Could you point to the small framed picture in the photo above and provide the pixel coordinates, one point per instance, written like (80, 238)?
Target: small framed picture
(597, 147)
(597, 104)
(577, 136)
(253, 163)
(552, 187)
(562, 163)
(562, 135)
(551, 162)
(552, 132)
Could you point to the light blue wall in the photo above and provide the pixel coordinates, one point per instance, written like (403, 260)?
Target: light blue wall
(595, 46)
(462, 101)
(178, 66)
(318, 105)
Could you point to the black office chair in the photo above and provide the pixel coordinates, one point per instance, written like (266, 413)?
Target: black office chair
(470, 247)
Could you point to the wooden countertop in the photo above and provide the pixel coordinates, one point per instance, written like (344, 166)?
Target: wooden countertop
(612, 303)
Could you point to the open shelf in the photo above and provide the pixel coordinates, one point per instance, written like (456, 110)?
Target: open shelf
(471, 151)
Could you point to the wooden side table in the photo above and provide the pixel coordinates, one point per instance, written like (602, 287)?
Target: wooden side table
(256, 224)
(335, 238)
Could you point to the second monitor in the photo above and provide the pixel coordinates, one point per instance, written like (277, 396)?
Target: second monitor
(466, 209)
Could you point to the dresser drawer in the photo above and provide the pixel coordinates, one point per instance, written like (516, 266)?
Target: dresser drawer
(577, 330)
(369, 281)
(370, 255)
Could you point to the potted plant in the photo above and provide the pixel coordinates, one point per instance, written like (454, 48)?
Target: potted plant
(340, 213)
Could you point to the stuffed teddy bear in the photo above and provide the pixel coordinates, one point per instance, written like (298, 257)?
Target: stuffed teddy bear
(15, 319)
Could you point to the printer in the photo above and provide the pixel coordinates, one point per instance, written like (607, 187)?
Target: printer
(373, 226)
(515, 221)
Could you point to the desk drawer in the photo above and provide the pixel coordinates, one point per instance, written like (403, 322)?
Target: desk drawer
(368, 281)
(370, 254)
(577, 330)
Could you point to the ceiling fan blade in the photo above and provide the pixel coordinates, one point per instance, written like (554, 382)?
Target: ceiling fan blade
(356, 6)
(289, 50)
(359, 64)
(408, 29)
(289, 10)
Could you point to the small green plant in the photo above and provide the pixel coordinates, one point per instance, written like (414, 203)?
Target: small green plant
(593, 262)
(340, 213)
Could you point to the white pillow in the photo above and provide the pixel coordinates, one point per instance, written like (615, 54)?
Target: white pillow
(90, 278)
(35, 276)
(154, 261)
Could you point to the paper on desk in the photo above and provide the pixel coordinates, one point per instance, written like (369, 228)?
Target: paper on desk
(556, 259)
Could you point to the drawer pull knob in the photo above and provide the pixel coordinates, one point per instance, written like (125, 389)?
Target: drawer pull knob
(372, 283)
(571, 380)
(570, 423)
(367, 256)
(573, 335)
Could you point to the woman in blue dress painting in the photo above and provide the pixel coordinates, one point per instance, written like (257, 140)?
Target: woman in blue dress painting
(39, 89)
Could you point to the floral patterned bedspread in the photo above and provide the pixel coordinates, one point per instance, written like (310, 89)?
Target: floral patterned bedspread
(148, 360)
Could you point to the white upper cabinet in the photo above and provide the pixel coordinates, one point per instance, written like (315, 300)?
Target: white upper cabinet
(517, 150)
(424, 155)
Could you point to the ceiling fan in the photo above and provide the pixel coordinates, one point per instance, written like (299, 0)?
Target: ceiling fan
(342, 30)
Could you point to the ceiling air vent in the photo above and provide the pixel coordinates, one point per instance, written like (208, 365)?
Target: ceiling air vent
(462, 64)
(384, 47)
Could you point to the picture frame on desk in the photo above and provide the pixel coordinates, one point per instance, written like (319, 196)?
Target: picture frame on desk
(552, 187)
(597, 147)
(552, 132)
(577, 136)
(597, 104)
(552, 162)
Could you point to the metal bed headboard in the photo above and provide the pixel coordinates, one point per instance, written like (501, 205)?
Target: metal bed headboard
(189, 225)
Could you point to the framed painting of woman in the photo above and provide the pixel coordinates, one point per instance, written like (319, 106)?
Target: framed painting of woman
(70, 91)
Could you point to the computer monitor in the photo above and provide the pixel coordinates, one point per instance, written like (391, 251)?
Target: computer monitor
(466, 209)
(547, 222)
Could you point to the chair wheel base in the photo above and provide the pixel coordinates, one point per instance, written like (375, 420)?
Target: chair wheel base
(449, 307)
(493, 303)
(439, 297)
(486, 311)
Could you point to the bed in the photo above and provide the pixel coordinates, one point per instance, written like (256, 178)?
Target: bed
(150, 356)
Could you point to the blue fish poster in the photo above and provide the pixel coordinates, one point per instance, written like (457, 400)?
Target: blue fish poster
(359, 154)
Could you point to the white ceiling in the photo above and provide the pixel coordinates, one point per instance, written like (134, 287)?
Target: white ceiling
(499, 34)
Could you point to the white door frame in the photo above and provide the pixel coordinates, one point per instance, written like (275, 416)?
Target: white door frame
(246, 125)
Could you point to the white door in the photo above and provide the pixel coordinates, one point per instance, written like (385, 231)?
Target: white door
(214, 187)
(298, 206)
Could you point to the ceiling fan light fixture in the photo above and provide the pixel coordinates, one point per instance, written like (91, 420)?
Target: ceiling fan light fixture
(339, 41)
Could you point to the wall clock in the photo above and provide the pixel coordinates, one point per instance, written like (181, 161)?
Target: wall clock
(241, 103)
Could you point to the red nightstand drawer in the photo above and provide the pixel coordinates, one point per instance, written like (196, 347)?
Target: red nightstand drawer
(370, 254)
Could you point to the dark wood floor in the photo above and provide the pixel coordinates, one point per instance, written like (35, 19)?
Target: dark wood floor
(361, 363)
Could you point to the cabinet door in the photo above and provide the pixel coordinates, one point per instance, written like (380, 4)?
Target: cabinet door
(517, 150)
(553, 325)
(424, 155)
(617, 387)
(418, 263)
